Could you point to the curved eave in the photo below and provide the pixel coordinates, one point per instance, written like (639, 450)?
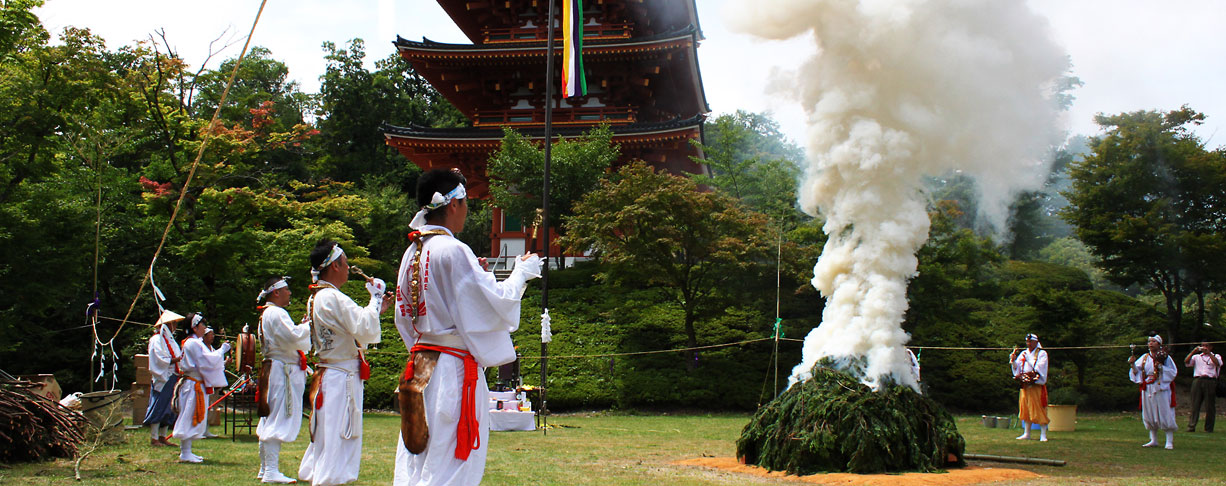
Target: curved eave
(429, 51)
(475, 138)
(537, 48)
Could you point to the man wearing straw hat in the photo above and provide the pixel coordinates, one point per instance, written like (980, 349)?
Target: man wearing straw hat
(1030, 370)
(282, 377)
(456, 319)
(1155, 371)
(164, 356)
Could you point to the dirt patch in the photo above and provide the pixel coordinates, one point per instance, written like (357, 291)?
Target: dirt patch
(967, 475)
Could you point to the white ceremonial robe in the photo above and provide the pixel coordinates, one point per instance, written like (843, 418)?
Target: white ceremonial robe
(198, 363)
(341, 326)
(466, 308)
(1156, 410)
(281, 341)
(162, 347)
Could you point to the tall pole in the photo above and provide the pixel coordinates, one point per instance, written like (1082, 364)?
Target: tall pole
(544, 410)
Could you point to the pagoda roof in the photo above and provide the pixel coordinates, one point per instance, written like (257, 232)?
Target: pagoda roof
(590, 46)
(473, 17)
(495, 135)
(431, 58)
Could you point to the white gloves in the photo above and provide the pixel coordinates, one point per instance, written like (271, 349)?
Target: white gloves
(531, 267)
(225, 347)
(376, 288)
(525, 270)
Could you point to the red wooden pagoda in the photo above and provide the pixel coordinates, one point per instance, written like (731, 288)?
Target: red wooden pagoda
(640, 59)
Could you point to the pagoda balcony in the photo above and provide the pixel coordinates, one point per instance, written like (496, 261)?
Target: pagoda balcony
(570, 116)
(616, 30)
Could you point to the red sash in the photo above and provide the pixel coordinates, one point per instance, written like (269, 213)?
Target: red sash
(170, 349)
(468, 432)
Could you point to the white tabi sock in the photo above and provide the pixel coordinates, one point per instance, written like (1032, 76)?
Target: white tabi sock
(1153, 439)
(272, 473)
(1170, 439)
(1025, 431)
(263, 462)
(153, 431)
(1043, 433)
(185, 452)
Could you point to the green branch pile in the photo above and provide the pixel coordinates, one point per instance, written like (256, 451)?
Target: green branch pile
(833, 423)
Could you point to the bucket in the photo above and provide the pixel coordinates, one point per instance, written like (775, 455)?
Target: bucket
(1063, 418)
(102, 410)
(989, 421)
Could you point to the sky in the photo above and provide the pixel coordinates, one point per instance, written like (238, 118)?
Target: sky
(1130, 54)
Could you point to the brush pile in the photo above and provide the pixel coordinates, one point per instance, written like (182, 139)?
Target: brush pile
(35, 428)
(834, 423)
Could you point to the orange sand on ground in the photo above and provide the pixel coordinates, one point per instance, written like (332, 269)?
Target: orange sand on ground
(967, 475)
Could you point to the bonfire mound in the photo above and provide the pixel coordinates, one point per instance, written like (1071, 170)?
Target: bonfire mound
(834, 423)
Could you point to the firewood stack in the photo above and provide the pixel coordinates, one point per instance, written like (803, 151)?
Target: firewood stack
(34, 428)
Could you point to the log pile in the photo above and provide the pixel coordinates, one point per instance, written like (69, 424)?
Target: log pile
(35, 428)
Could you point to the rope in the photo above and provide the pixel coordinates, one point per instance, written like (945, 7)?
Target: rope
(191, 173)
(1048, 348)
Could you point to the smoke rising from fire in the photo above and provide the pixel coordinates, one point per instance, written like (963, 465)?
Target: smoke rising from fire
(898, 90)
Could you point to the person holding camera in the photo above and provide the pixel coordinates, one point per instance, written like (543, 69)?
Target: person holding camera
(1206, 366)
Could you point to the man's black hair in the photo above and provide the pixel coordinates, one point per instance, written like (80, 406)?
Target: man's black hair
(321, 252)
(441, 181)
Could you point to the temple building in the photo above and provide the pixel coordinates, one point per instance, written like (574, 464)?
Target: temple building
(640, 60)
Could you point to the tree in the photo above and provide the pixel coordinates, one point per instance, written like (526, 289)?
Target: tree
(1149, 202)
(517, 172)
(353, 102)
(752, 161)
(659, 229)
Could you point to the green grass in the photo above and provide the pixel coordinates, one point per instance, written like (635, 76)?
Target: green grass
(625, 449)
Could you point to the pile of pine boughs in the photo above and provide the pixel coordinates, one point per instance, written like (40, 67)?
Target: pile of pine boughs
(833, 423)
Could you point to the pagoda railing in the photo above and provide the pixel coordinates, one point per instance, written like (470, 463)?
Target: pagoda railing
(562, 116)
(619, 30)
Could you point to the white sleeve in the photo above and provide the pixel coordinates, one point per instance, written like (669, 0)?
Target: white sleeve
(1168, 372)
(360, 322)
(1040, 366)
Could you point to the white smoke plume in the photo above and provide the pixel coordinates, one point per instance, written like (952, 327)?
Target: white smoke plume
(900, 89)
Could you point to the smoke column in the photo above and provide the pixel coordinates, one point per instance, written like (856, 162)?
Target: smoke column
(898, 90)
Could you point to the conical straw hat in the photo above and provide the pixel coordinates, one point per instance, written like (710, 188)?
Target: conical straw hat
(169, 317)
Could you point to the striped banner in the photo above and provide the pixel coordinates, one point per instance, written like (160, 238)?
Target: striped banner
(573, 81)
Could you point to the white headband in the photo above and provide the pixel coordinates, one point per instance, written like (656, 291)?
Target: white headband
(437, 201)
(1030, 337)
(336, 254)
(280, 284)
(196, 319)
(1156, 337)
(208, 330)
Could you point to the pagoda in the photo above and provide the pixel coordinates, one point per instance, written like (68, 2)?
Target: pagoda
(640, 60)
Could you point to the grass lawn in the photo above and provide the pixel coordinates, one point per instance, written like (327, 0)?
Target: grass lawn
(626, 449)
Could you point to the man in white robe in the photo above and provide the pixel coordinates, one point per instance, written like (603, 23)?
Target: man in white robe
(202, 369)
(341, 330)
(164, 356)
(1155, 371)
(284, 345)
(448, 303)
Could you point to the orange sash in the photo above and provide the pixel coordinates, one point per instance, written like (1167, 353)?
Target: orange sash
(468, 431)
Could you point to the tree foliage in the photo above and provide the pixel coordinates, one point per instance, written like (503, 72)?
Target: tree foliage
(517, 173)
(751, 160)
(658, 229)
(1149, 202)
